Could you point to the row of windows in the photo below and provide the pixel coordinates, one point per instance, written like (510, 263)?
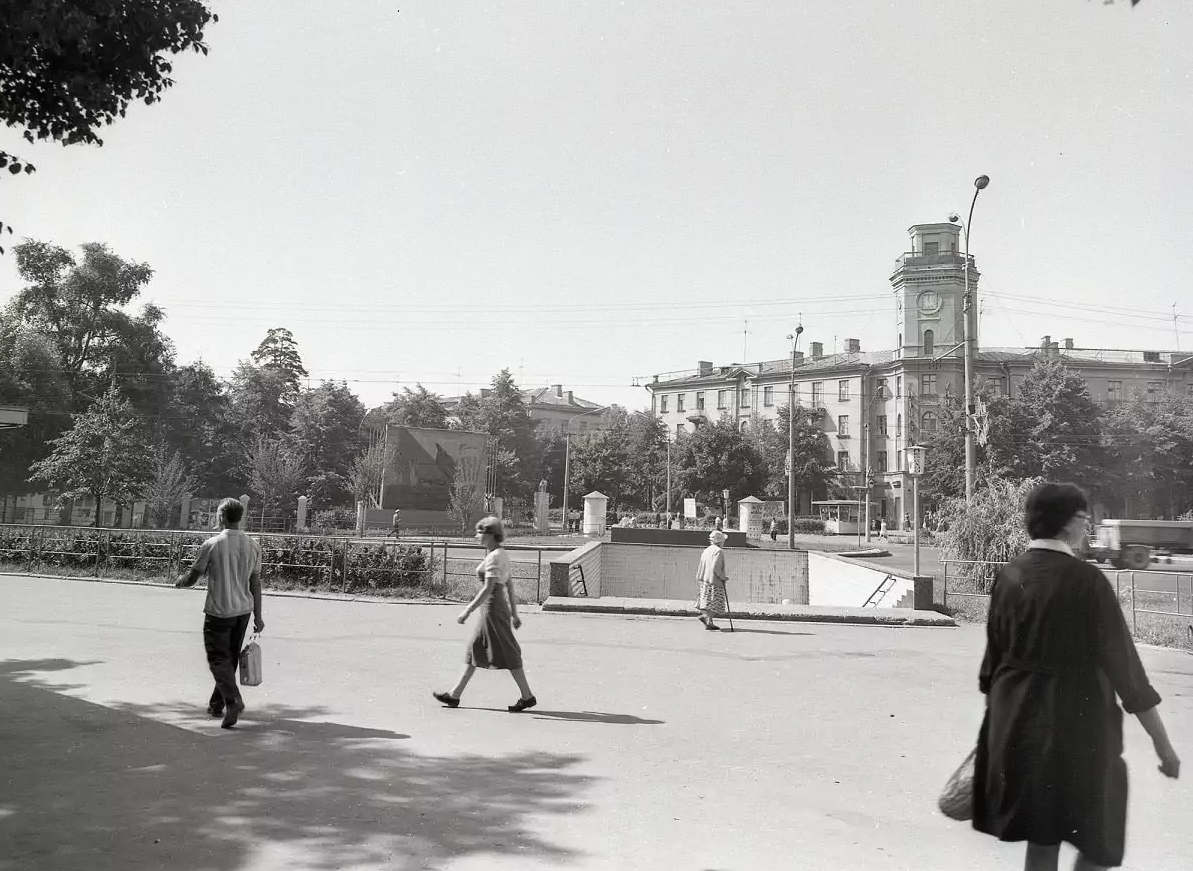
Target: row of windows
(743, 396)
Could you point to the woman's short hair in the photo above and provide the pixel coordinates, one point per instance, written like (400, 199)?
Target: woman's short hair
(491, 526)
(232, 509)
(1050, 507)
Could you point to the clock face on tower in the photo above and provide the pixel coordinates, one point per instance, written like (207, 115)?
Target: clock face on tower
(929, 302)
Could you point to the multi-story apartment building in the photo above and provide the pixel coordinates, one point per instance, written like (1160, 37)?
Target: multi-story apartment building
(550, 407)
(874, 404)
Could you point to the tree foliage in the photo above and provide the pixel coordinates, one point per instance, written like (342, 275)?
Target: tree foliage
(167, 484)
(466, 493)
(102, 455)
(365, 474)
(716, 457)
(325, 431)
(418, 407)
(276, 474)
(30, 379)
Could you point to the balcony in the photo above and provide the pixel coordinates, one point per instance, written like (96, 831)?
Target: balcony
(945, 258)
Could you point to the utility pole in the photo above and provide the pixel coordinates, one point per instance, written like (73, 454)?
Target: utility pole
(979, 184)
(791, 441)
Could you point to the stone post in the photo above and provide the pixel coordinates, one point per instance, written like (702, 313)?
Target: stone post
(595, 507)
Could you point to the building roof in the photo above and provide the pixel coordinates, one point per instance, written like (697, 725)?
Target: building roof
(772, 368)
(548, 397)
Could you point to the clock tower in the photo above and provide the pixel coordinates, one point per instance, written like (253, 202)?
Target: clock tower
(929, 285)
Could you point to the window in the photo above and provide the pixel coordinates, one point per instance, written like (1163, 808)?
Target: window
(743, 397)
(899, 427)
(1000, 386)
(654, 404)
(843, 391)
(768, 396)
(743, 425)
(1154, 389)
(722, 399)
(929, 422)
(678, 430)
(679, 398)
(931, 248)
(817, 394)
(663, 404)
(881, 390)
(928, 385)
(700, 400)
(929, 343)
(899, 387)
(1114, 391)
(1189, 389)
(843, 426)
(843, 460)
(881, 462)
(882, 425)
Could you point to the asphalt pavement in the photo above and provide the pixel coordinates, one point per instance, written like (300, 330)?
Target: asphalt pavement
(655, 746)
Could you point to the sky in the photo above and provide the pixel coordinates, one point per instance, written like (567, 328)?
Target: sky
(591, 193)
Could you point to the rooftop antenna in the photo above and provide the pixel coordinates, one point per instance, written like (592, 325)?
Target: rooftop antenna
(745, 340)
(1176, 327)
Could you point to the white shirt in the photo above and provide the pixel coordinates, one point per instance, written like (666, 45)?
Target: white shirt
(496, 566)
(1052, 544)
(229, 559)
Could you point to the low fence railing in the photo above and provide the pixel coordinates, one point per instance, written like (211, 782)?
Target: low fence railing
(1158, 594)
(442, 569)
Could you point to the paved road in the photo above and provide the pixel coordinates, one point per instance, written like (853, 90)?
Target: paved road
(657, 746)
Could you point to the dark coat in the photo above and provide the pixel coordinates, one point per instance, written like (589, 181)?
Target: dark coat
(1049, 764)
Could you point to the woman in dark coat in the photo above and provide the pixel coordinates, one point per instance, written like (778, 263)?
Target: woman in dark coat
(1049, 766)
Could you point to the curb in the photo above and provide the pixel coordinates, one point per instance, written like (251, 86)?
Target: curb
(853, 617)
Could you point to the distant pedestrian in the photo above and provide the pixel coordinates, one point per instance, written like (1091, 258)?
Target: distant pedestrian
(882, 529)
(774, 529)
(713, 600)
(1049, 761)
(493, 644)
(720, 524)
(396, 524)
(232, 562)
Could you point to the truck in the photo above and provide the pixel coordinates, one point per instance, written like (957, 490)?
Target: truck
(1135, 544)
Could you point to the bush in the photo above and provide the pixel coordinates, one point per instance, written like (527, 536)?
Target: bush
(803, 525)
(990, 530)
(335, 518)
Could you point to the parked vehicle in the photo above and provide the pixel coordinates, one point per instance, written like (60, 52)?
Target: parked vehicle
(1135, 544)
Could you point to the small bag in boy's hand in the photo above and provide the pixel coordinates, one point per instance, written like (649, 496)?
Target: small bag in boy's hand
(250, 664)
(956, 801)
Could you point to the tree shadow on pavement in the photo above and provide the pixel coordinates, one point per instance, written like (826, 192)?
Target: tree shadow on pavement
(92, 788)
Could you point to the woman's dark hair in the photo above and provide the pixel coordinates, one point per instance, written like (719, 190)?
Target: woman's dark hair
(1050, 507)
(491, 526)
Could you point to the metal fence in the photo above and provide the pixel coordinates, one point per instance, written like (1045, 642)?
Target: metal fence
(442, 569)
(1160, 594)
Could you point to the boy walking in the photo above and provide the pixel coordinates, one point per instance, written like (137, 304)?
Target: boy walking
(232, 562)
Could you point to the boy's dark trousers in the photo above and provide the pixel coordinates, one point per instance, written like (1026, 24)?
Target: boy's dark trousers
(223, 637)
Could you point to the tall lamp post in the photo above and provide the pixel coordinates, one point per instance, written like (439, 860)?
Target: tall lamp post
(794, 337)
(567, 459)
(980, 183)
(915, 468)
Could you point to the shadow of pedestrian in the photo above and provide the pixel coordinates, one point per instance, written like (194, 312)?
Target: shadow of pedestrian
(749, 631)
(581, 717)
(95, 788)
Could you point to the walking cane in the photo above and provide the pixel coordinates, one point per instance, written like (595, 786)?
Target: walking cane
(728, 609)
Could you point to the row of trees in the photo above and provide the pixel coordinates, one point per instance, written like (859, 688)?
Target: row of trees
(114, 416)
(1135, 457)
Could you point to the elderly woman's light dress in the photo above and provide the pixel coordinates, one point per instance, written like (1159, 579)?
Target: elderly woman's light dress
(713, 600)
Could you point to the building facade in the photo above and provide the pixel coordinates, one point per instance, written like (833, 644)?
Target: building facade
(873, 404)
(550, 407)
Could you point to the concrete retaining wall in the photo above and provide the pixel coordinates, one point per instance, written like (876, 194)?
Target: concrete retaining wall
(565, 574)
(839, 583)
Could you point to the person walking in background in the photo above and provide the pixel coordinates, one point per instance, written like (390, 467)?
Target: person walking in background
(774, 529)
(713, 600)
(493, 644)
(232, 563)
(1048, 766)
(396, 524)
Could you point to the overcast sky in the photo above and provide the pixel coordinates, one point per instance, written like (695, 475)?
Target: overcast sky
(589, 192)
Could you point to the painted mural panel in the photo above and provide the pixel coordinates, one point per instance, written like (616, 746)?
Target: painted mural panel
(423, 462)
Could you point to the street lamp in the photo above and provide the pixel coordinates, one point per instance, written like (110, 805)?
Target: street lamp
(980, 183)
(567, 459)
(916, 456)
(794, 338)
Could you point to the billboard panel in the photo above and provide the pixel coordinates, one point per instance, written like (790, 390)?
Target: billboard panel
(421, 464)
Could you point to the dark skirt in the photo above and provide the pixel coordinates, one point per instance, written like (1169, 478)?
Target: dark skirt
(493, 644)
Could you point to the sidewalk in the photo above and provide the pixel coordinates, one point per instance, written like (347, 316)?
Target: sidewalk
(749, 611)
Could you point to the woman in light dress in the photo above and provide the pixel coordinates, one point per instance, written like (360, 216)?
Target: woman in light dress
(713, 600)
(493, 644)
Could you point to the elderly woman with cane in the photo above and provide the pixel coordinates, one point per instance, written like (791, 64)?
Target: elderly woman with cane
(713, 600)
(1049, 766)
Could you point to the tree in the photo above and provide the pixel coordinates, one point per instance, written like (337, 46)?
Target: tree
(276, 474)
(815, 470)
(365, 475)
(418, 407)
(1051, 429)
(990, 530)
(168, 483)
(81, 307)
(501, 414)
(266, 388)
(29, 378)
(102, 455)
(325, 430)
(647, 448)
(550, 454)
(601, 458)
(1148, 449)
(70, 68)
(718, 457)
(199, 426)
(278, 352)
(466, 494)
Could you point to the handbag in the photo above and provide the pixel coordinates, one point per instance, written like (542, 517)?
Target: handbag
(956, 800)
(250, 663)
